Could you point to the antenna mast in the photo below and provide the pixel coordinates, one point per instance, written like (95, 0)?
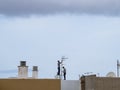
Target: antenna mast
(62, 59)
(118, 65)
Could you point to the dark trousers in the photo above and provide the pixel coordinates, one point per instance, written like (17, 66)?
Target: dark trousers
(58, 73)
(64, 76)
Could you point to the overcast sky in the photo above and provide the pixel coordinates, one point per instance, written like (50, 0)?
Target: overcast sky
(40, 32)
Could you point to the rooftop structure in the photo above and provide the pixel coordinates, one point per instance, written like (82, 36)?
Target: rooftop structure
(35, 72)
(86, 82)
(22, 70)
(100, 83)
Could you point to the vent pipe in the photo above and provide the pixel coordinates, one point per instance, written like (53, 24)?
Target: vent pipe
(35, 72)
(22, 70)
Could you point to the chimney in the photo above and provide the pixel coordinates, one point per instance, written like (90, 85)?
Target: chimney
(22, 70)
(35, 72)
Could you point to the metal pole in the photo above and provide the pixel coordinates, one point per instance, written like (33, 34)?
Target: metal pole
(118, 68)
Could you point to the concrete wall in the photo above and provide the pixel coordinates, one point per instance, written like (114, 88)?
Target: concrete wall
(101, 83)
(39, 84)
(70, 85)
(107, 83)
(30, 84)
(90, 82)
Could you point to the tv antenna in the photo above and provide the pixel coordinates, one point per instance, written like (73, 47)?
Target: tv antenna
(118, 66)
(63, 58)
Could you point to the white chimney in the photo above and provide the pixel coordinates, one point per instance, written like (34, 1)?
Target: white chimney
(35, 72)
(22, 70)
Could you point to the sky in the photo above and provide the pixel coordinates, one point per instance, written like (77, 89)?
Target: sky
(40, 32)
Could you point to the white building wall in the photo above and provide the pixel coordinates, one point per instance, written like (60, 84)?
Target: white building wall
(70, 85)
(34, 74)
(22, 72)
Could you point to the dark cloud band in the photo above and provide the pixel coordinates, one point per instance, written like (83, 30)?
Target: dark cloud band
(31, 7)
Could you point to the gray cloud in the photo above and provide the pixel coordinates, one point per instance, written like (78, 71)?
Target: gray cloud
(31, 7)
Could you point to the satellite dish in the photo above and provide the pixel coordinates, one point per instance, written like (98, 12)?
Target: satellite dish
(111, 74)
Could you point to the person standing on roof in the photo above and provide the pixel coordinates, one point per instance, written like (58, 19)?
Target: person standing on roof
(64, 73)
(58, 73)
